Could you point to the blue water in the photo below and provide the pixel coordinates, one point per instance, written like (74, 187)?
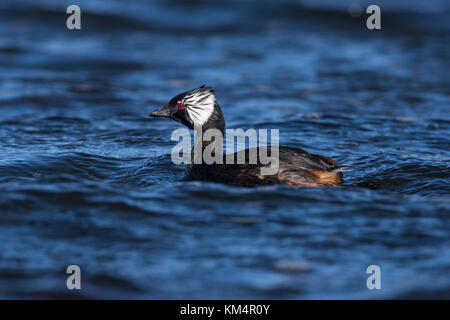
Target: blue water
(86, 177)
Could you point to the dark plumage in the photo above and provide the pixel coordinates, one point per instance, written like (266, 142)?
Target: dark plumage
(198, 107)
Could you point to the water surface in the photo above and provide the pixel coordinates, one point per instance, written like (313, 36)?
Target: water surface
(86, 176)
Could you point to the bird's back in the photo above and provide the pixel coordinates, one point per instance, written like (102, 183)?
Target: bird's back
(295, 167)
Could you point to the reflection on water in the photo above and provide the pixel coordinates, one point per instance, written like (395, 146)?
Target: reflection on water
(87, 177)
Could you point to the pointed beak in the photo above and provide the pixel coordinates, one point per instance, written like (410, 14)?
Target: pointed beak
(163, 112)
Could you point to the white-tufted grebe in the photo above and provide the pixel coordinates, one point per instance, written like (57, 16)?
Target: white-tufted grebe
(199, 108)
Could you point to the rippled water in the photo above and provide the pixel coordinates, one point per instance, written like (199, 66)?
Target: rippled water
(86, 176)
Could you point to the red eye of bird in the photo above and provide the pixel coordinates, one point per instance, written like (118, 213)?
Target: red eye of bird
(180, 105)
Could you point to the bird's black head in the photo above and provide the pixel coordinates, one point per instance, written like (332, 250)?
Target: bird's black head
(193, 108)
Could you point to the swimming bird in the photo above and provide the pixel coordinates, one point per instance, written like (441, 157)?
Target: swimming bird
(198, 109)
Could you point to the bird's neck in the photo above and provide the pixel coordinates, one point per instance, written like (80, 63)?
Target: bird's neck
(215, 121)
(210, 138)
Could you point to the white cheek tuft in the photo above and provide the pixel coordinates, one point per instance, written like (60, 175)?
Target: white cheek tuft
(200, 106)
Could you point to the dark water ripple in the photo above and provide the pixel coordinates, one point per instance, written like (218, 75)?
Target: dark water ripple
(86, 178)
